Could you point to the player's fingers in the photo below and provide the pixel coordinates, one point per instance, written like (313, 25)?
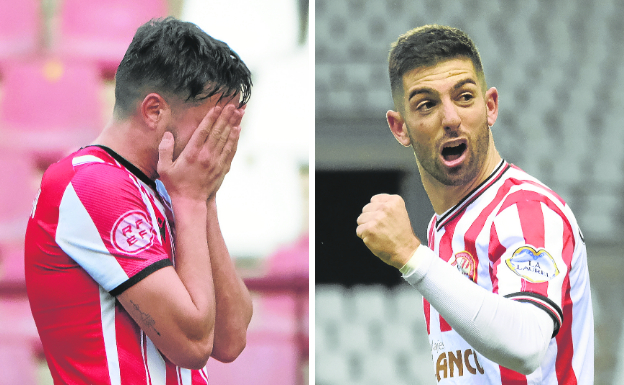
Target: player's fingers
(241, 112)
(369, 217)
(370, 207)
(381, 197)
(165, 152)
(229, 150)
(201, 133)
(221, 130)
(232, 145)
(359, 231)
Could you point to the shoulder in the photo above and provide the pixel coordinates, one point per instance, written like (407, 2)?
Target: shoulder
(97, 176)
(526, 193)
(95, 182)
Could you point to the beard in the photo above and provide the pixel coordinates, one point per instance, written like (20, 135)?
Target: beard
(476, 154)
(177, 146)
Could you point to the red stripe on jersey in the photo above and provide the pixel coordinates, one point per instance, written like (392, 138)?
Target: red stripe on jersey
(477, 226)
(427, 310)
(426, 304)
(533, 183)
(131, 366)
(144, 345)
(172, 373)
(565, 372)
(510, 377)
(532, 223)
(200, 376)
(446, 252)
(565, 347)
(431, 236)
(495, 251)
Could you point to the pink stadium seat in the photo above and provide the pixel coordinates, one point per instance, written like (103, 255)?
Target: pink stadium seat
(49, 103)
(102, 30)
(277, 340)
(20, 27)
(268, 359)
(19, 178)
(292, 261)
(19, 342)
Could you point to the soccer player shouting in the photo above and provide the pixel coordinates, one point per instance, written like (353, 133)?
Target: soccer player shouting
(504, 273)
(128, 276)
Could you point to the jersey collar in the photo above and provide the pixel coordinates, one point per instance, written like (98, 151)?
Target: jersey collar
(451, 213)
(129, 166)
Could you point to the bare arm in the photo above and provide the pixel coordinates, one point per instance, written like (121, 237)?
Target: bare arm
(234, 306)
(176, 308)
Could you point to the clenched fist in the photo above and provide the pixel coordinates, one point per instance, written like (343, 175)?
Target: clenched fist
(385, 228)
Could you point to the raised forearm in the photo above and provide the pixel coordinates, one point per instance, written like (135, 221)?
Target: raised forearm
(233, 302)
(193, 263)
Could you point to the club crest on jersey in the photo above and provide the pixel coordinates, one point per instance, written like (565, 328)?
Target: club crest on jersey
(132, 233)
(536, 266)
(465, 264)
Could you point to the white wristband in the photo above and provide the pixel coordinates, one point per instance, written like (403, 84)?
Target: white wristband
(418, 264)
(411, 264)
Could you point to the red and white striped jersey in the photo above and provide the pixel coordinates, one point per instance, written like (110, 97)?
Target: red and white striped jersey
(514, 236)
(98, 226)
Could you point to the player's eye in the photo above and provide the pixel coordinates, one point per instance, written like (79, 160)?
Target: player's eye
(425, 106)
(466, 97)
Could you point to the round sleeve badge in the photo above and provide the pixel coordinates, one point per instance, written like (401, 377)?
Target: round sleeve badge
(132, 233)
(536, 266)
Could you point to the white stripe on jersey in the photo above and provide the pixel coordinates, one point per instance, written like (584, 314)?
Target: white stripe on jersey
(155, 364)
(583, 348)
(185, 375)
(204, 374)
(509, 234)
(84, 159)
(549, 376)
(553, 239)
(144, 190)
(107, 308)
(84, 244)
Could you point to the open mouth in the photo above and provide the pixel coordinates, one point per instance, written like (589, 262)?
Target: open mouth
(451, 153)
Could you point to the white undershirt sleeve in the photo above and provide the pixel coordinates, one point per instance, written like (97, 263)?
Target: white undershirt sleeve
(513, 334)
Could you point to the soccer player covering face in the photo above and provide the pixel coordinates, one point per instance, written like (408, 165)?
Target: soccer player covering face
(504, 271)
(128, 276)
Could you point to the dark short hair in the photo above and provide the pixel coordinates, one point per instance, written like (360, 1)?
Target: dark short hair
(426, 46)
(177, 58)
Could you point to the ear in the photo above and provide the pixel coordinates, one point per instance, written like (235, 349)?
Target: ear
(153, 109)
(491, 104)
(398, 127)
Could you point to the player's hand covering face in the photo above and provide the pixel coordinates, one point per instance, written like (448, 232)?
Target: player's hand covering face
(202, 165)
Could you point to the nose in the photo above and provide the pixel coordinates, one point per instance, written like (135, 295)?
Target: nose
(450, 117)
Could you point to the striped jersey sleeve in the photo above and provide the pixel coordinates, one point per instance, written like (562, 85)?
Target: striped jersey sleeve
(532, 245)
(106, 226)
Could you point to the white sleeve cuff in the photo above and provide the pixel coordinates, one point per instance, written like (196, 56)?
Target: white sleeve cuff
(416, 268)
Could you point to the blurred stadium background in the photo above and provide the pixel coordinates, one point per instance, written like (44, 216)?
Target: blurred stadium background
(57, 65)
(557, 66)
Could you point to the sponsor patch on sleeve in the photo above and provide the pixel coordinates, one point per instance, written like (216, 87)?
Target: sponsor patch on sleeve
(533, 265)
(132, 233)
(465, 264)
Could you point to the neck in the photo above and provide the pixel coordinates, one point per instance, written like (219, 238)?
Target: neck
(444, 197)
(132, 142)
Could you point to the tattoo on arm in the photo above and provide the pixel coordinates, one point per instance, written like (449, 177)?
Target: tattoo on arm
(146, 318)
